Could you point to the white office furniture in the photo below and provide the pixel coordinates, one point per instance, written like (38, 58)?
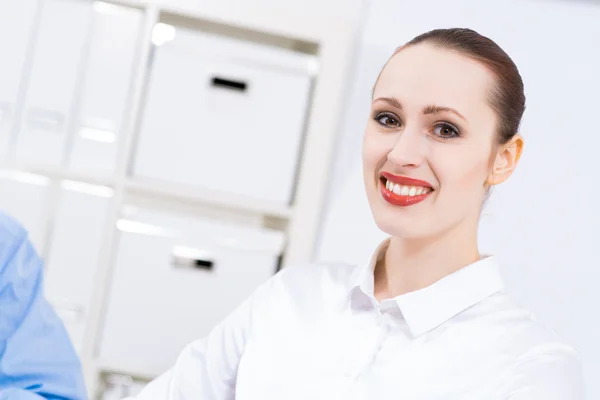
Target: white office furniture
(176, 277)
(16, 25)
(59, 51)
(74, 251)
(75, 123)
(106, 85)
(225, 115)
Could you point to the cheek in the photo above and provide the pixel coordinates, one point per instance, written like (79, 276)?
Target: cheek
(461, 173)
(374, 152)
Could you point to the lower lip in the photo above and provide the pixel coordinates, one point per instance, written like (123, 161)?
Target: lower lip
(403, 201)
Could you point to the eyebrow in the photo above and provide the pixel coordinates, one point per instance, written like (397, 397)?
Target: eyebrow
(433, 109)
(430, 109)
(391, 101)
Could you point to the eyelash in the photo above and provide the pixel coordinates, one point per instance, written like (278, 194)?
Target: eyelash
(446, 125)
(442, 125)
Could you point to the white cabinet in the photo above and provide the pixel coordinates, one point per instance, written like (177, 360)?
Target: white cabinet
(106, 84)
(174, 279)
(224, 115)
(16, 24)
(74, 252)
(57, 61)
(25, 197)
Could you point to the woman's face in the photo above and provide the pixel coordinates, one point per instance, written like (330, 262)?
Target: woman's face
(428, 145)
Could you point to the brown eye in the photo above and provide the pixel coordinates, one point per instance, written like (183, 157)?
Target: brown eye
(446, 131)
(388, 120)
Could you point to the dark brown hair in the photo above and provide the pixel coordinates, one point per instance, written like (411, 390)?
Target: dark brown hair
(507, 97)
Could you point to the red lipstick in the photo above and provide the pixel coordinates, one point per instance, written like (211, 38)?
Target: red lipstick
(403, 200)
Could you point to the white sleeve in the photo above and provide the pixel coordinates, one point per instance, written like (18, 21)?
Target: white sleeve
(207, 368)
(547, 372)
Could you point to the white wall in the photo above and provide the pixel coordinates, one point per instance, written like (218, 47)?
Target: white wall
(543, 223)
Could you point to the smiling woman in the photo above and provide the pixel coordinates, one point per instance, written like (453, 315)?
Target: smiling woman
(446, 110)
(428, 317)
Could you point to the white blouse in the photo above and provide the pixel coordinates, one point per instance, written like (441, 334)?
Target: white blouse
(317, 332)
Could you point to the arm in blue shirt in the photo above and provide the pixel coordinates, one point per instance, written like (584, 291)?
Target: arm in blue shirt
(37, 360)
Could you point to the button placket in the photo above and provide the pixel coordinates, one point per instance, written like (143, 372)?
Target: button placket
(369, 352)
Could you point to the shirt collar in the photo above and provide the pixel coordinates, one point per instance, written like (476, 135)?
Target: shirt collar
(428, 308)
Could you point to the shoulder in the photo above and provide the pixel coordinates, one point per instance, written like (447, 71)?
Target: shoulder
(516, 325)
(542, 346)
(12, 235)
(10, 229)
(525, 357)
(550, 369)
(315, 275)
(541, 360)
(20, 275)
(523, 325)
(309, 286)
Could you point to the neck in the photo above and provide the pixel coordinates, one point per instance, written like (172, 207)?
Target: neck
(413, 264)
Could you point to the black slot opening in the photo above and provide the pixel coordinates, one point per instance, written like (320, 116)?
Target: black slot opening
(229, 84)
(203, 264)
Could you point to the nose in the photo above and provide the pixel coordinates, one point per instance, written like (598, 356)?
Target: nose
(408, 150)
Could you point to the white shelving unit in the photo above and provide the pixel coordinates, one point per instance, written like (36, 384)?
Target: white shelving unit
(309, 27)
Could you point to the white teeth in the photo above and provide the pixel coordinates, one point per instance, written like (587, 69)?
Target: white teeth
(405, 190)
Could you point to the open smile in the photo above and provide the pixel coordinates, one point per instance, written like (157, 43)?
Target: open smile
(403, 191)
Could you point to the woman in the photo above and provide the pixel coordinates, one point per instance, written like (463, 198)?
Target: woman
(428, 317)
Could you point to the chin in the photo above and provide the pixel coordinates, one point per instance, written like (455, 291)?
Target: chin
(409, 222)
(401, 226)
(398, 231)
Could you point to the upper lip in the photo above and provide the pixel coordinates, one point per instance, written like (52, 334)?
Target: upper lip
(404, 180)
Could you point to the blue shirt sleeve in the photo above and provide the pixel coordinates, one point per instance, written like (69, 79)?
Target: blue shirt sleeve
(37, 359)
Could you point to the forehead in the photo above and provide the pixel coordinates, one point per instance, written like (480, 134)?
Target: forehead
(423, 74)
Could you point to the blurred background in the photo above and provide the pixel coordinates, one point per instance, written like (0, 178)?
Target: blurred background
(169, 156)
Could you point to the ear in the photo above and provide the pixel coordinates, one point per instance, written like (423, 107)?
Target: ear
(506, 160)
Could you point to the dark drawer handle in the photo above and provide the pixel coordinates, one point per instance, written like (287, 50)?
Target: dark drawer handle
(223, 83)
(203, 264)
(188, 258)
